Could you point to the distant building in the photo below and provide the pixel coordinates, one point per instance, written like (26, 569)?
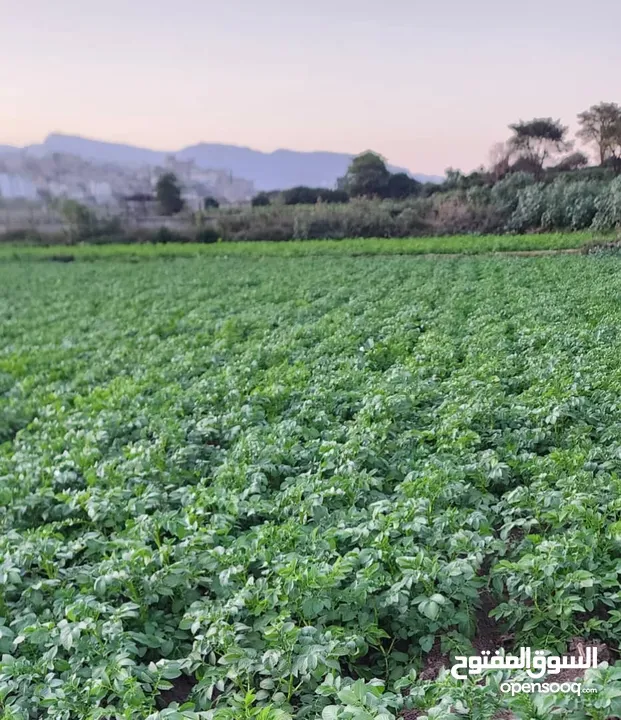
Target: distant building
(15, 186)
(59, 175)
(139, 205)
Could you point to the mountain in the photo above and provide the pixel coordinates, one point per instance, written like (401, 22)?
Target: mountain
(98, 150)
(4, 149)
(277, 170)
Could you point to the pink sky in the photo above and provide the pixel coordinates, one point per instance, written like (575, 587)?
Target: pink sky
(427, 84)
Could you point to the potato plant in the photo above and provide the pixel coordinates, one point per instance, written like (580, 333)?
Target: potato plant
(272, 488)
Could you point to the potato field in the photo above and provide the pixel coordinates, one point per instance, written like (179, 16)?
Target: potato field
(238, 487)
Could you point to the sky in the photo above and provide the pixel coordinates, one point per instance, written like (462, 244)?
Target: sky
(428, 84)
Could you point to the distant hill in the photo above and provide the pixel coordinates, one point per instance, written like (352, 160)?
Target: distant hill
(277, 170)
(280, 169)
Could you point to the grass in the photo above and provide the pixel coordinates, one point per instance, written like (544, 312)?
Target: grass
(466, 244)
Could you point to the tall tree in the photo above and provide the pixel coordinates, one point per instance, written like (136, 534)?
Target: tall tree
(600, 125)
(539, 140)
(366, 176)
(401, 186)
(168, 194)
(500, 159)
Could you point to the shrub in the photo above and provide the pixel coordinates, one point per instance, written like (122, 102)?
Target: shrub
(303, 195)
(409, 223)
(207, 235)
(401, 186)
(25, 237)
(319, 226)
(574, 161)
(570, 205)
(300, 196)
(333, 197)
(168, 194)
(608, 207)
(530, 206)
(504, 194)
(260, 200)
(166, 235)
(478, 196)
(259, 224)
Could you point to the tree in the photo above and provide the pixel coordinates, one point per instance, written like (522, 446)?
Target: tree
(303, 195)
(260, 200)
(525, 164)
(500, 160)
(210, 203)
(457, 180)
(367, 176)
(333, 197)
(300, 195)
(454, 178)
(572, 162)
(601, 125)
(401, 185)
(81, 221)
(539, 140)
(168, 194)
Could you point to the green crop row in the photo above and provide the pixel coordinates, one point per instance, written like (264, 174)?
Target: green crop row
(464, 244)
(233, 489)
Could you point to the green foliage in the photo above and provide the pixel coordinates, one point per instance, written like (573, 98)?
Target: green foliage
(207, 235)
(84, 225)
(166, 235)
(559, 205)
(453, 244)
(505, 193)
(210, 203)
(332, 197)
(531, 204)
(361, 219)
(572, 162)
(608, 205)
(300, 196)
(168, 193)
(600, 125)
(539, 140)
(277, 486)
(367, 176)
(310, 196)
(81, 219)
(261, 200)
(401, 186)
(571, 206)
(559, 201)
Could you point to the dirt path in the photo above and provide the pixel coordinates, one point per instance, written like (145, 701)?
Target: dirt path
(491, 253)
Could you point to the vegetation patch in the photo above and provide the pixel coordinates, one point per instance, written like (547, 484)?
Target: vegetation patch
(246, 488)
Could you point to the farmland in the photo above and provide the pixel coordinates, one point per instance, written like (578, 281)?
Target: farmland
(456, 244)
(238, 487)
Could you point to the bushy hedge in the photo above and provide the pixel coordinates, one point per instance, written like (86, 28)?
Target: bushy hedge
(358, 218)
(608, 206)
(515, 204)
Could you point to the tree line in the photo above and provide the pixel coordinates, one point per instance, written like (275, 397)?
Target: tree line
(540, 147)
